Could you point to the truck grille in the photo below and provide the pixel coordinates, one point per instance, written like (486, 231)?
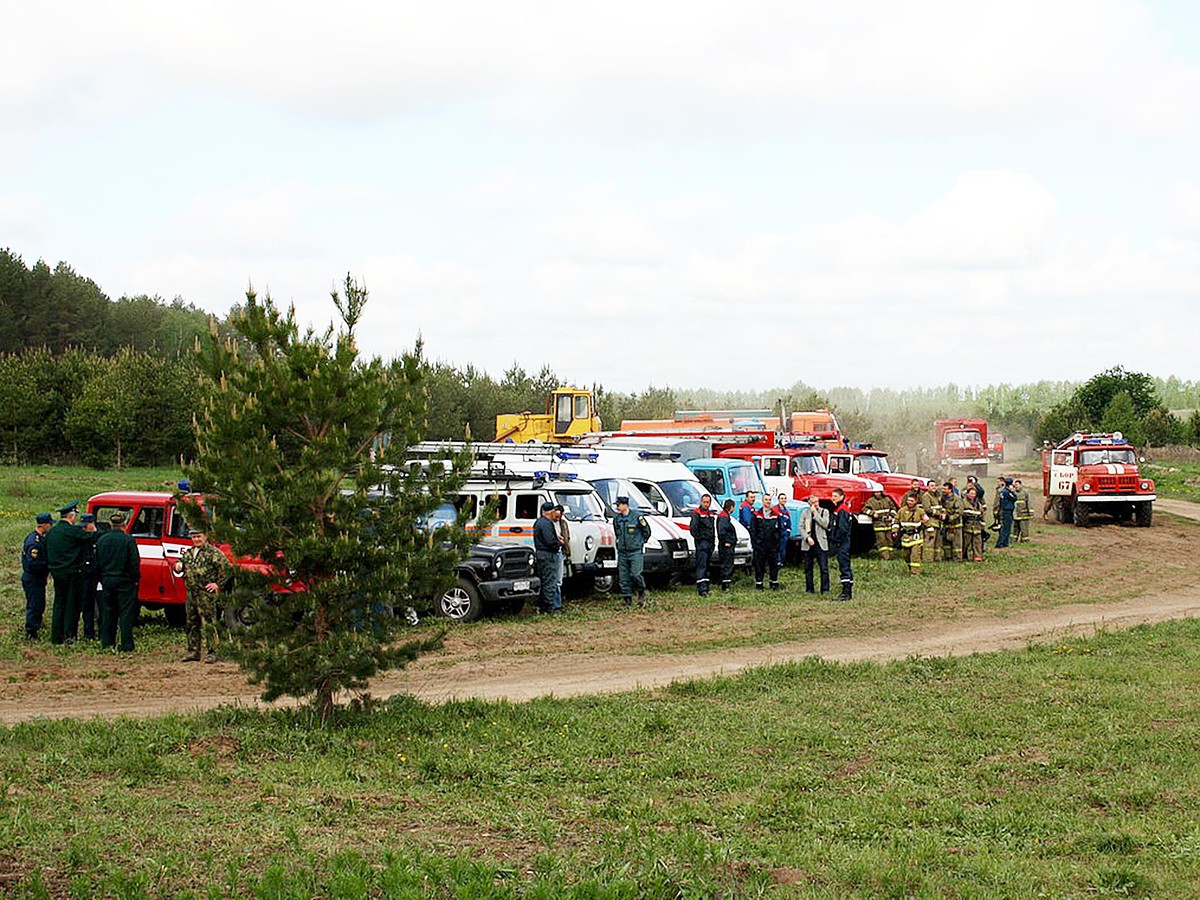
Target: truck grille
(1116, 484)
(673, 546)
(514, 562)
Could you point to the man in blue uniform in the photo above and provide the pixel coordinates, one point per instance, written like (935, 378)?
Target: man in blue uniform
(548, 553)
(35, 572)
(1007, 503)
(632, 530)
(840, 529)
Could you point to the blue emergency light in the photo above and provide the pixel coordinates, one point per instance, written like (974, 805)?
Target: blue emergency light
(576, 454)
(542, 475)
(658, 454)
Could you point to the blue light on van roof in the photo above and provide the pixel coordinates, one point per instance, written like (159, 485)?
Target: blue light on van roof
(542, 475)
(658, 454)
(576, 454)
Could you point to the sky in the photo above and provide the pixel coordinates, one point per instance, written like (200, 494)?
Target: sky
(696, 194)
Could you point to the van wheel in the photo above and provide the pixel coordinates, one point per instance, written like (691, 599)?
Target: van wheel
(176, 614)
(603, 584)
(461, 603)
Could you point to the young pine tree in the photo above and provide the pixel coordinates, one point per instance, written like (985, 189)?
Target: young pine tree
(300, 455)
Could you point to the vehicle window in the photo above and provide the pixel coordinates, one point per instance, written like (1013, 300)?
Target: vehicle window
(179, 525)
(581, 406)
(564, 407)
(963, 436)
(774, 466)
(442, 517)
(149, 522)
(529, 506)
(839, 465)
(745, 478)
(870, 463)
(1105, 456)
(578, 507)
(102, 514)
(684, 495)
(1062, 458)
(713, 480)
(807, 465)
(467, 506)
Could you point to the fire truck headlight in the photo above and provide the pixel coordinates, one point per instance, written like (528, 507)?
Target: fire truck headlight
(1145, 485)
(1087, 487)
(589, 542)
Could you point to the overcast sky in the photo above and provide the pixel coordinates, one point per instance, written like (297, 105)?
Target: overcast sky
(727, 195)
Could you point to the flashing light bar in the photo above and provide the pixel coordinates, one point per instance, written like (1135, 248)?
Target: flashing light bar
(543, 475)
(575, 454)
(659, 454)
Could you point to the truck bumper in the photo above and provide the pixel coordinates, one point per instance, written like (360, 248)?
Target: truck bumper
(507, 591)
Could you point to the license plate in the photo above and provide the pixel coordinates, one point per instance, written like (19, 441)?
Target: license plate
(679, 554)
(520, 585)
(608, 564)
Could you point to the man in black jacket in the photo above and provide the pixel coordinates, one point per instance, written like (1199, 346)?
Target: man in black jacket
(840, 529)
(119, 568)
(704, 535)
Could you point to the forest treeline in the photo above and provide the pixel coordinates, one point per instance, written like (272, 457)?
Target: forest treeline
(84, 378)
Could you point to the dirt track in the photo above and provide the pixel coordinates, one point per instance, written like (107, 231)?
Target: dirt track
(478, 668)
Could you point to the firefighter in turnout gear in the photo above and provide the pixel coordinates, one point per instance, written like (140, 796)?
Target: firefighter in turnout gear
(1023, 514)
(931, 502)
(911, 523)
(205, 570)
(973, 525)
(952, 506)
(882, 510)
(704, 534)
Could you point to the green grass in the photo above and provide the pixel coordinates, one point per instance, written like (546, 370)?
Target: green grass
(1174, 478)
(1064, 770)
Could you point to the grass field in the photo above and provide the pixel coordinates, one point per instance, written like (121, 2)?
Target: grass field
(1068, 770)
(1063, 770)
(1176, 478)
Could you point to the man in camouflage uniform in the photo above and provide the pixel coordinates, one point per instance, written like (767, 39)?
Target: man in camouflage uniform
(973, 526)
(911, 522)
(1023, 515)
(205, 570)
(882, 510)
(952, 505)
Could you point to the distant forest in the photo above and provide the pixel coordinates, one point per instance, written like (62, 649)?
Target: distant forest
(84, 378)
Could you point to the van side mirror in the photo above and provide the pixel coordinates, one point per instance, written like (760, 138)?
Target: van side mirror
(660, 507)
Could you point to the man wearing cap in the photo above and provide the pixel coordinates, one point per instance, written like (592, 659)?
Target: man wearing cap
(548, 553)
(35, 572)
(205, 569)
(90, 578)
(120, 570)
(66, 552)
(631, 530)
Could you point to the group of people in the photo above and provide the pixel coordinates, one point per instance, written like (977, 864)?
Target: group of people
(940, 522)
(95, 571)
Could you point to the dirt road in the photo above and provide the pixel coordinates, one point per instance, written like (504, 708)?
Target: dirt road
(549, 659)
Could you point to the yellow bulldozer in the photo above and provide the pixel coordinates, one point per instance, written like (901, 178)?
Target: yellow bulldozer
(570, 414)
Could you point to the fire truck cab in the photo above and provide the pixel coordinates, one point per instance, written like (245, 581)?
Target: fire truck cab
(1089, 473)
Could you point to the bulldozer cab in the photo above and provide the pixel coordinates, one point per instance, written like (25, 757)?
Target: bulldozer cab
(570, 413)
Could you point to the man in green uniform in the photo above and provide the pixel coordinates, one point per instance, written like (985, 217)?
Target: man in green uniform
(119, 567)
(632, 531)
(882, 510)
(931, 502)
(1023, 514)
(66, 552)
(205, 570)
(911, 522)
(973, 525)
(952, 505)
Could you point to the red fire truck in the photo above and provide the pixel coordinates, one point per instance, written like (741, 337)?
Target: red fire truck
(962, 444)
(867, 462)
(1089, 473)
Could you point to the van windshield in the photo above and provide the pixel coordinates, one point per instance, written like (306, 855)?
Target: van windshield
(610, 489)
(744, 478)
(684, 495)
(578, 507)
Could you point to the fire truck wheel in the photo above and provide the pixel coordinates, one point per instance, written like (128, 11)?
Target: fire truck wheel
(238, 617)
(461, 603)
(1083, 515)
(1143, 513)
(176, 614)
(1065, 509)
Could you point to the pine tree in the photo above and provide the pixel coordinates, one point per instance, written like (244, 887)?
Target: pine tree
(300, 456)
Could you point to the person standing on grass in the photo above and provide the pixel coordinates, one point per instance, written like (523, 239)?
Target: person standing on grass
(35, 572)
(726, 544)
(704, 535)
(205, 570)
(66, 552)
(814, 533)
(120, 571)
(764, 541)
(951, 523)
(631, 531)
(882, 510)
(1006, 501)
(973, 527)
(841, 528)
(1023, 512)
(785, 526)
(548, 553)
(911, 522)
